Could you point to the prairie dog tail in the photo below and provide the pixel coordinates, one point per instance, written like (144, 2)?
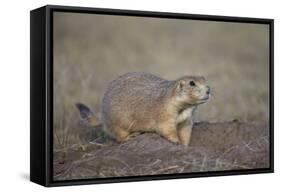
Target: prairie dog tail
(87, 117)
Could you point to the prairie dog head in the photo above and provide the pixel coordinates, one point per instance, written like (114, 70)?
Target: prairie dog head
(192, 90)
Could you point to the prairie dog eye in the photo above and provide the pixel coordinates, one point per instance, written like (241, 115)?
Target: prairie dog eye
(192, 83)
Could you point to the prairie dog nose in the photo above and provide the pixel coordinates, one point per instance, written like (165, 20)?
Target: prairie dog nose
(208, 90)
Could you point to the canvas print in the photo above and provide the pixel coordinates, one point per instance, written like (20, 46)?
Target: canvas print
(140, 96)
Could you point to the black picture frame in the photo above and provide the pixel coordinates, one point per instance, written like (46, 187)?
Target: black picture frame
(41, 108)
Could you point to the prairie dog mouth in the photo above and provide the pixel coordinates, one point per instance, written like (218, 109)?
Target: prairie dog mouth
(204, 100)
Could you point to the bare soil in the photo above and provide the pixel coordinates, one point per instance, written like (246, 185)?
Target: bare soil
(214, 146)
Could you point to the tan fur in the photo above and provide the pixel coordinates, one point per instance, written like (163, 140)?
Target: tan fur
(184, 131)
(94, 121)
(135, 103)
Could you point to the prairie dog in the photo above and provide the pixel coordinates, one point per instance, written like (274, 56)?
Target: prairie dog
(139, 102)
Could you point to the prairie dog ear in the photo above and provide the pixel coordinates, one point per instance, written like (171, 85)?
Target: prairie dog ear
(180, 85)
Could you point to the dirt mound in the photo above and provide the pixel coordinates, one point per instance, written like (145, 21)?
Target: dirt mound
(213, 147)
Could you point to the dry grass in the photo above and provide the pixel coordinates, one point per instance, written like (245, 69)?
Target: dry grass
(237, 146)
(92, 50)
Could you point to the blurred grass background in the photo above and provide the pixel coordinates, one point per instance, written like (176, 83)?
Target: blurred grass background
(91, 50)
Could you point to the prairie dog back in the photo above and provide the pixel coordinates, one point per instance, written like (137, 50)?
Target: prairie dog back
(131, 98)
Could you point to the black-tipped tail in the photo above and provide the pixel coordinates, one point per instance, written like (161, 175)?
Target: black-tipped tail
(87, 117)
(84, 112)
